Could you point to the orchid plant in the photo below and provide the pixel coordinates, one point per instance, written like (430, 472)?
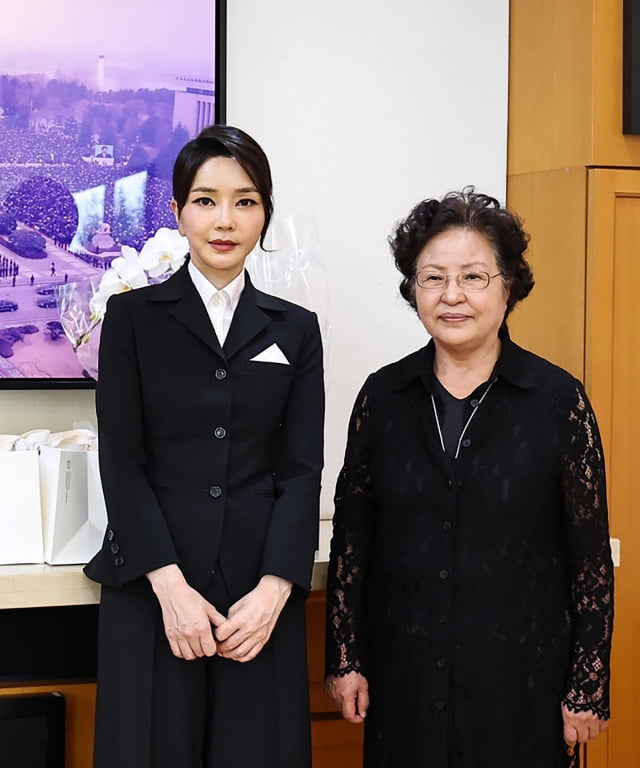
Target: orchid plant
(161, 255)
(83, 305)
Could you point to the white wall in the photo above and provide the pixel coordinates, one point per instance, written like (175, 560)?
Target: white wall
(364, 107)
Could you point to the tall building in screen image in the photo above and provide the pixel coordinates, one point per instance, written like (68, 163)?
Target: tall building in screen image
(100, 73)
(194, 104)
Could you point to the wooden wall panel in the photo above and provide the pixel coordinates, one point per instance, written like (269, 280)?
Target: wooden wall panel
(565, 133)
(550, 322)
(613, 366)
(565, 86)
(550, 54)
(610, 146)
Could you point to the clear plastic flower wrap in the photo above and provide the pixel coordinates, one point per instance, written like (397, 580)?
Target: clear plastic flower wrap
(80, 323)
(82, 305)
(292, 267)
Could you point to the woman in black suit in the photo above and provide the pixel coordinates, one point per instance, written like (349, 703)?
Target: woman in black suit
(210, 410)
(470, 583)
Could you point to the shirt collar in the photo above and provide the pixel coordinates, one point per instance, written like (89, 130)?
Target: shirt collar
(512, 365)
(207, 290)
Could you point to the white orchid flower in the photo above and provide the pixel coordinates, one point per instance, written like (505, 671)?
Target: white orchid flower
(128, 269)
(124, 274)
(161, 255)
(164, 252)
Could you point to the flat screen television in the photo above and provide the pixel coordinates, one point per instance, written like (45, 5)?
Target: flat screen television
(94, 107)
(631, 67)
(32, 730)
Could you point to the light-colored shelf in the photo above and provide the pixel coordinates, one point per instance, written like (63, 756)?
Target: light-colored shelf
(41, 586)
(38, 586)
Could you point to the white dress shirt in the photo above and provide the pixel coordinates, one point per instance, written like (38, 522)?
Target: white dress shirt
(220, 305)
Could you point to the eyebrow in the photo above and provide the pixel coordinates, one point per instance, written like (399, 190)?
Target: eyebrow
(469, 265)
(210, 190)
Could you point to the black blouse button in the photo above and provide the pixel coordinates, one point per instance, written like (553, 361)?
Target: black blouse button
(115, 548)
(466, 442)
(444, 574)
(215, 491)
(446, 526)
(119, 561)
(221, 374)
(110, 535)
(441, 706)
(220, 432)
(442, 663)
(474, 403)
(442, 619)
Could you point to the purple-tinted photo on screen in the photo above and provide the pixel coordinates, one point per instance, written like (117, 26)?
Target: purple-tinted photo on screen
(92, 117)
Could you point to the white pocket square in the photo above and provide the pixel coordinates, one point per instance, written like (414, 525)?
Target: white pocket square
(272, 354)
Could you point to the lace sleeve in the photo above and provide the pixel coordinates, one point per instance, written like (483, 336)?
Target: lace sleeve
(352, 524)
(591, 568)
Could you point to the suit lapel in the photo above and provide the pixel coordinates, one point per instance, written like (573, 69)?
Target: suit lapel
(185, 305)
(250, 318)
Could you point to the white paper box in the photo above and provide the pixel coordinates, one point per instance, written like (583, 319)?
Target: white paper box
(20, 520)
(74, 516)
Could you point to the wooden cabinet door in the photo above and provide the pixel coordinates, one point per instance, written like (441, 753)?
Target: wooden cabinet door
(613, 382)
(335, 742)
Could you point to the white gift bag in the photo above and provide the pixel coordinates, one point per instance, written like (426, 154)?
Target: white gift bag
(20, 523)
(74, 516)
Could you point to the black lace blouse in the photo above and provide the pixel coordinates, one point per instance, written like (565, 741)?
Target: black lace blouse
(475, 594)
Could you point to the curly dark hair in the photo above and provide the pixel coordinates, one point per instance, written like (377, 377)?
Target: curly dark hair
(471, 210)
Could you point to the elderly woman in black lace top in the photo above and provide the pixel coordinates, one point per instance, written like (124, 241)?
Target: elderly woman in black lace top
(470, 585)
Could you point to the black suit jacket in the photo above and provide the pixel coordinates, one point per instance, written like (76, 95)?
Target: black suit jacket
(208, 457)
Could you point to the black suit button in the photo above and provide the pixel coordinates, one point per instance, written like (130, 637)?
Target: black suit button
(220, 432)
(466, 442)
(446, 526)
(444, 574)
(442, 663)
(119, 561)
(474, 403)
(215, 491)
(115, 548)
(442, 619)
(110, 535)
(221, 374)
(441, 706)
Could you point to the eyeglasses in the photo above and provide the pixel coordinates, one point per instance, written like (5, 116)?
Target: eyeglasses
(466, 281)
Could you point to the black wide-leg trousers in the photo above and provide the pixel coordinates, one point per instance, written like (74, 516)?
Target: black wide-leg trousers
(157, 711)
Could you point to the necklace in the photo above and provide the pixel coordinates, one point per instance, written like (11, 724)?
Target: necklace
(464, 429)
